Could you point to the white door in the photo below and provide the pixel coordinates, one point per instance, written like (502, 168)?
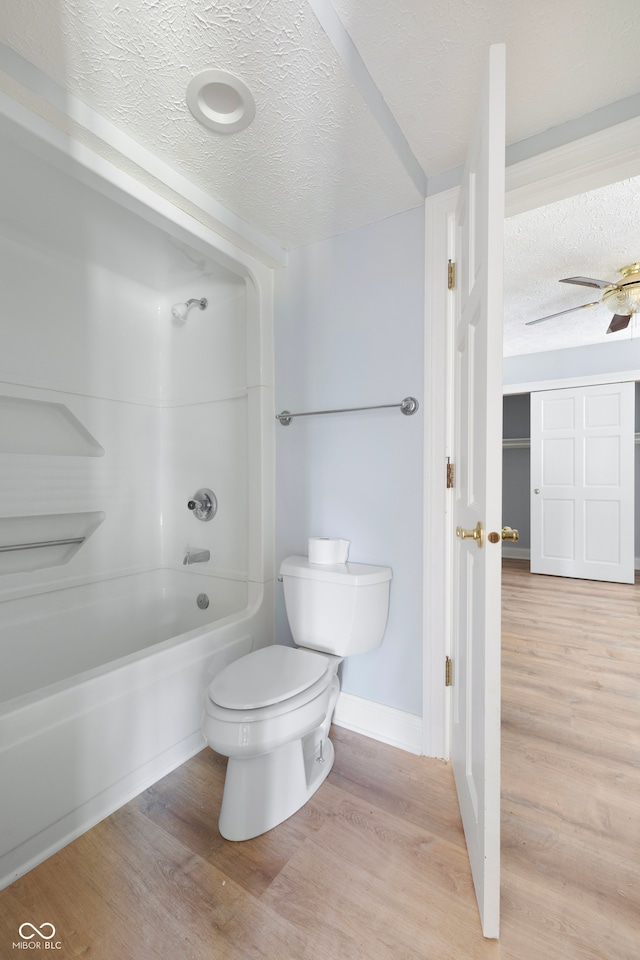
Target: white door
(582, 482)
(477, 506)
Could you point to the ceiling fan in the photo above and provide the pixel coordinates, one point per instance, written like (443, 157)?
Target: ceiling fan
(622, 298)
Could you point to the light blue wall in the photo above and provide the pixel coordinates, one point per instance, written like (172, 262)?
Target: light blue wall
(349, 315)
(591, 361)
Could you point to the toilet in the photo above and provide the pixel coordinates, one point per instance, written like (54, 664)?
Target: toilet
(270, 711)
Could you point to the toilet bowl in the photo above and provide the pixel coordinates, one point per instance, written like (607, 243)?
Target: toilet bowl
(270, 711)
(275, 738)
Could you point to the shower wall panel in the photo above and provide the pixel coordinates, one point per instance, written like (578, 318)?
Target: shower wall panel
(204, 422)
(80, 339)
(87, 290)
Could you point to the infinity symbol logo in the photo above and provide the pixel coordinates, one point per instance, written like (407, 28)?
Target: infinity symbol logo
(39, 930)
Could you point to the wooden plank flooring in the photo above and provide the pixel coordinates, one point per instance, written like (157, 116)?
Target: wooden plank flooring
(571, 764)
(375, 865)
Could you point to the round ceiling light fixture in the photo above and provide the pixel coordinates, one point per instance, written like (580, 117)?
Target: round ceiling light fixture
(220, 101)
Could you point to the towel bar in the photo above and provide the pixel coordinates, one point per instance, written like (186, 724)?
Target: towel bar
(408, 406)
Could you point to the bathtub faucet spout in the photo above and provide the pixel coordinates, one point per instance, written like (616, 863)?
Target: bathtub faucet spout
(199, 556)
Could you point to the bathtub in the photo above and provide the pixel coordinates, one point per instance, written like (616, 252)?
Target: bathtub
(113, 416)
(81, 733)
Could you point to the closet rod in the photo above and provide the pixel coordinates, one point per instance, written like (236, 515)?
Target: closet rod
(522, 443)
(408, 406)
(41, 543)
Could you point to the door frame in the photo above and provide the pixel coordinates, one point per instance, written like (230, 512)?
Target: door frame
(577, 167)
(535, 386)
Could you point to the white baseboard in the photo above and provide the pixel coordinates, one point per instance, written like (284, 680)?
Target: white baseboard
(524, 553)
(400, 729)
(515, 553)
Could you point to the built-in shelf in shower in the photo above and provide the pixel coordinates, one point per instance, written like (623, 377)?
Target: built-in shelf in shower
(49, 540)
(42, 427)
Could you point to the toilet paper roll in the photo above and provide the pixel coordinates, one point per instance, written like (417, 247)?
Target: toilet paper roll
(328, 550)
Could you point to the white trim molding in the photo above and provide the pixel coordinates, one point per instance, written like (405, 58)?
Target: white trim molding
(533, 386)
(439, 217)
(524, 553)
(510, 552)
(374, 720)
(357, 70)
(594, 161)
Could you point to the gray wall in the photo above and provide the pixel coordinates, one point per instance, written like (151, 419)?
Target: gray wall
(349, 315)
(516, 465)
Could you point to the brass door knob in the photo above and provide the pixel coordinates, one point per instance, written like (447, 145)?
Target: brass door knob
(507, 534)
(476, 534)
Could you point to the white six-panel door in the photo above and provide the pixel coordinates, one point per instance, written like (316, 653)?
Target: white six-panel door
(582, 482)
(477, 503)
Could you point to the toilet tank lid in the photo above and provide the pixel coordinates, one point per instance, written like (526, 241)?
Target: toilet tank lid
(354, 574)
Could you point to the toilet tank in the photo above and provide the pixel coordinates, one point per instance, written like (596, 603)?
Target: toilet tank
(336, 608)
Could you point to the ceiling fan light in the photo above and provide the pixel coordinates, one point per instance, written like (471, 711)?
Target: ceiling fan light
(624, 300)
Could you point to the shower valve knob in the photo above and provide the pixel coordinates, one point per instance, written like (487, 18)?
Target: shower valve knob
(204, 504)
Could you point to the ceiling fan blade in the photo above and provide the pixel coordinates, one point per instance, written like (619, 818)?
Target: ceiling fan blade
(619, 322)
(583, 306)
(588, 282)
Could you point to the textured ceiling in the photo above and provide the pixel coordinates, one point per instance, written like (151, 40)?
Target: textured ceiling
(312, 164)
(315, 162)
(565, 58)
(591, 235)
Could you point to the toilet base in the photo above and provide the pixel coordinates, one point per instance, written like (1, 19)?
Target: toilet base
(260, 792)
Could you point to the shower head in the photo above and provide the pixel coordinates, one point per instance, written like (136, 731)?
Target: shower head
(179, 310)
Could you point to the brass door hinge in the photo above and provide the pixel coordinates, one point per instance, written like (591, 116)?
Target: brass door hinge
(448, 672)
(451, 275)
(451, 474)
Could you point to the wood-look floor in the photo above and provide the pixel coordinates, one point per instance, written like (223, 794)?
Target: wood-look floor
(374, 867)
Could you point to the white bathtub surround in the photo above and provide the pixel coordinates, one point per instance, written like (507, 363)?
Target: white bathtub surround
(74, 752)
(43, 427)
(106, 656)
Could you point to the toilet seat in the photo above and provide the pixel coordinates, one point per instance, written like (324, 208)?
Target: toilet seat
(268, 682)
(246, 732)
